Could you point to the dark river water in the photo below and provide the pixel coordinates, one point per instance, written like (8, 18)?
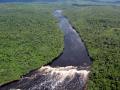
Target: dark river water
(65, 72)
(74, 53)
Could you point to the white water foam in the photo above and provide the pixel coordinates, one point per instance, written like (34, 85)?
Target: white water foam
(59, 78)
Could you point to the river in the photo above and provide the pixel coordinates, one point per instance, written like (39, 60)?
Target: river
(69, 71)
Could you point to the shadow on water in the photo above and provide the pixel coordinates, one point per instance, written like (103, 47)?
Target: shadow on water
(68, 71)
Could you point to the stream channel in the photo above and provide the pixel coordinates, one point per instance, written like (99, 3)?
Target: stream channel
(69, 71)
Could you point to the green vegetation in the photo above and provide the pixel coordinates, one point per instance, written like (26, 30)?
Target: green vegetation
(99, 27)
(29, 38)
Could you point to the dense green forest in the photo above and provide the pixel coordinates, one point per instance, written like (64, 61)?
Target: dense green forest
(29, 38)
(99, 27)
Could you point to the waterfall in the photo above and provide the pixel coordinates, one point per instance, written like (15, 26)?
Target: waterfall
(55, 78)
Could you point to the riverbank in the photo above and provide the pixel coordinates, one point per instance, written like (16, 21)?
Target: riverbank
(63, 73)
(99, 27)
(29, 38)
